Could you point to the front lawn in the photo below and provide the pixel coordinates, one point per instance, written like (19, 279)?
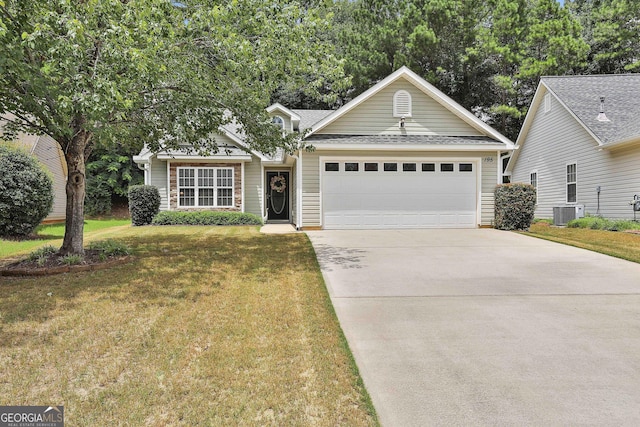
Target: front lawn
(207, 326)
(52, 235)
(615, 243)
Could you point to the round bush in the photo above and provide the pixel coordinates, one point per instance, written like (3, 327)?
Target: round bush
(515, 206)
(144, 203)
(26, 195)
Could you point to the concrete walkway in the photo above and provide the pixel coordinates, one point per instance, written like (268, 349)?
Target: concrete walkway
(278, 229)
(483, 327)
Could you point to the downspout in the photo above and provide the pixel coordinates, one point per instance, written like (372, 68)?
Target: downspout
(299, 191)
(147, 172)
(169, 185)
(500, 171)
(242, 185)
(263, 192)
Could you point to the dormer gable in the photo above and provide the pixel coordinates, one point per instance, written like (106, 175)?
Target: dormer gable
(290, 120)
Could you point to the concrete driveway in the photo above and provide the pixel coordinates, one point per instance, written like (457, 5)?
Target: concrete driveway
(485, 327)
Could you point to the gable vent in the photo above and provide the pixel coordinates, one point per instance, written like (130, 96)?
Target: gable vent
(402, 104)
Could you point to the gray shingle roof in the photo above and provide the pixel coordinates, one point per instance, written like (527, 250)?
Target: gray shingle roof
(309, 118)
(581, 94)
(400, 139)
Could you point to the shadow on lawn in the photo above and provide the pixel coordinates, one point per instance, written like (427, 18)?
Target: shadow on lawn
(331, 257)
(168, 268)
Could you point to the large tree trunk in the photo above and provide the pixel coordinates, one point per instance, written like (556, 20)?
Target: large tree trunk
(74, 223)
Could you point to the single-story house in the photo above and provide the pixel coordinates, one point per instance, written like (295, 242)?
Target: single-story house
(580, 145)
(50, 155)
(400, 155)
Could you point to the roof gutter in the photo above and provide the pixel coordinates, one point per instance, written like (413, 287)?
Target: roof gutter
(619, 144)
(395, 147)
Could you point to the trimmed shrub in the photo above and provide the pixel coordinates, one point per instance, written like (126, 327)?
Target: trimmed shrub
(599, 223)
(27, 192)
(515, 206)
(206, 218)
(144, 203)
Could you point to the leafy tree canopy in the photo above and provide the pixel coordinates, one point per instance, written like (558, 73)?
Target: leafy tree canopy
(118, 71)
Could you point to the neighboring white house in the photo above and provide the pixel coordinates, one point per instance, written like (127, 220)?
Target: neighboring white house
(50, 155)
(580, 144)
(400, 155)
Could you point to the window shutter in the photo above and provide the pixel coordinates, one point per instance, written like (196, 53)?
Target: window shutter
(402, 104)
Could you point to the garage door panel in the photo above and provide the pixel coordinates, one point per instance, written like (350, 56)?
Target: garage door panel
(379, 199)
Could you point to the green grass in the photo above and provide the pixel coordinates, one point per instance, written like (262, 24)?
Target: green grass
(207, 326)
(598, 223)
(615, 243)
(52, 235)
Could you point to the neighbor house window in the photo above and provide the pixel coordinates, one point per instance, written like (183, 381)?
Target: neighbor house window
(205, 187)
(402, 104)
(572, 182)
(533, 180)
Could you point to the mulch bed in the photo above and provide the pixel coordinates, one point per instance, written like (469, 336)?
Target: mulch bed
(54, 264)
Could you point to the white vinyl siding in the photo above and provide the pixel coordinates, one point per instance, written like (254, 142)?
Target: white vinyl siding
(556, 139)
(158, 171)
(375, 116)
(50, 154)
(311, 189)
(253, 186)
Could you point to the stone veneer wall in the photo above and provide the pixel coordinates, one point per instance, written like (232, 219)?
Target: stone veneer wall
(237, 185)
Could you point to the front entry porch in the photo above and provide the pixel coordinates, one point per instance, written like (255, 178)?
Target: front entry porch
(278, 196)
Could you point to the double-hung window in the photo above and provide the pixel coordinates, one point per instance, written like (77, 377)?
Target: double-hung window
(572, 183)
(205, 187)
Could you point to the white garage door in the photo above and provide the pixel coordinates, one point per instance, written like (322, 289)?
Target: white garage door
(399, 194)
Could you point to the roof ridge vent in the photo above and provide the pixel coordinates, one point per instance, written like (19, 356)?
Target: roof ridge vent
(602, 117)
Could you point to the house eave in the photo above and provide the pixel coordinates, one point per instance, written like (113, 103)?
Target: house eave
(413, 147)
(634, 140)
(214, 158)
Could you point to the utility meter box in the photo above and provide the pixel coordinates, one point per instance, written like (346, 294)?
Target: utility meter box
(579, 211)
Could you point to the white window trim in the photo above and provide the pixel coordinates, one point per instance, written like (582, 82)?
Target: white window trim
(397, 113)
(567, 183)
(535, 172)
(215, 187)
